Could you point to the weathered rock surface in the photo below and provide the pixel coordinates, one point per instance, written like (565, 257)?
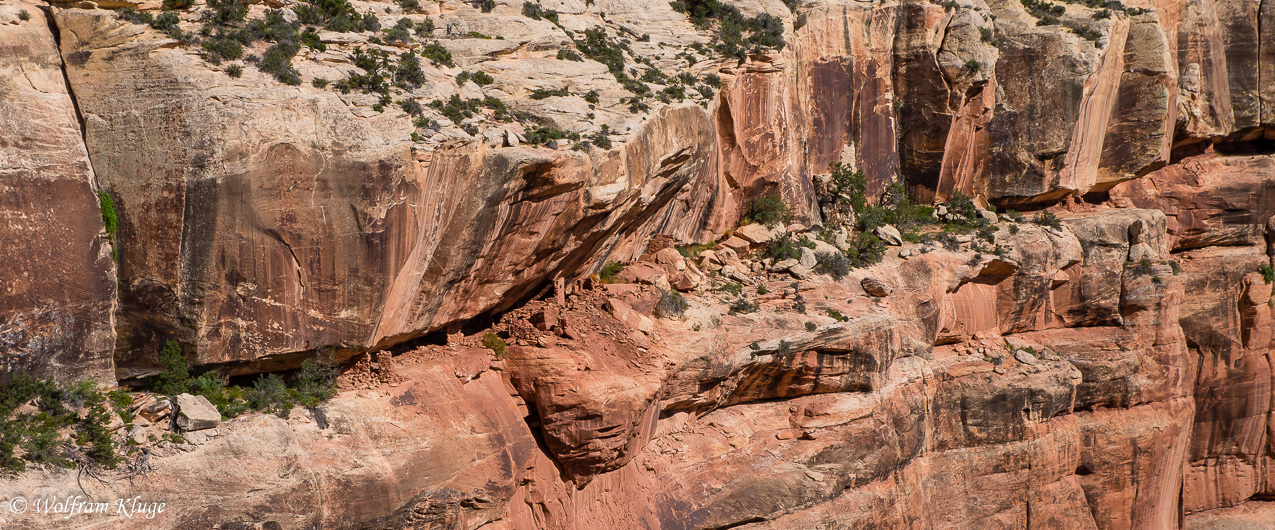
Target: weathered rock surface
(1107, 369)
(57, 291)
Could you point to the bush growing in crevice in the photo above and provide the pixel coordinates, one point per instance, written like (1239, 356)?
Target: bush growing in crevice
(609, 270)
(741, 306)
(497, 345)
(545, 93)
(671, 304)
(1047, 218)
(535, 11)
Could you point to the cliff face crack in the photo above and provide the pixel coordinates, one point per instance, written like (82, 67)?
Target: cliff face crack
(66, 79)
(296, 263)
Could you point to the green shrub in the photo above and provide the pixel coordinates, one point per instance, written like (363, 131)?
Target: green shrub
(535, 12)
(277, 61)
(481, 78)
(784, 247)
(1143, 266)
(865, 250)
(319, 82)
(1087, 33)
(39, 433)
(542, 134)
(437, 54)
(671, 304)
(1047, 218)
(568, 55)
(493, 342)
(109, 219)
(24, 15)
(733, 288)
(597, 46)
(850, 184)
(741, 306)
(210, 386)
(834, 264)
(174, 377)
(836, 315)
(316, 382)
(311, 40)
(225, 12)
(411, 107)
(408, 73)
(544, 93)
(409, 6)
(608, 271)
(234, 71)
(769, 210)
(764, 30)
(1268, 274)
(335, 15)
(811, 326)
(270, 394)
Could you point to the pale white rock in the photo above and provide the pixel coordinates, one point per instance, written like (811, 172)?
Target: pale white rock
(195, 413)
(784, 265)
(890, 235)
(808, 258)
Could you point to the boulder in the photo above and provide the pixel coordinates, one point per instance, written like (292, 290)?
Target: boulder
(670, 258)
(784, 265)
(823, 249)
(987, 214)
(799, 271)
(685, 281)
(808, 258)
(755, 233)
(643, 272)
(890, 235)
(840, 240)
(876, 287)
(156, 410)
(736, 244)
(1024, 357)
(626, 314)
(195, 413)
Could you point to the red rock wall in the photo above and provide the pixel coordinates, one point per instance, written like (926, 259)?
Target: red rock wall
(57, 295)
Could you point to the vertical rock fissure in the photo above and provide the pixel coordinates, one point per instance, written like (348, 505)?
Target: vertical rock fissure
(66, 81)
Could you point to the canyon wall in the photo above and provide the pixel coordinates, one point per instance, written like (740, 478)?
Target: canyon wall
(1112, 371)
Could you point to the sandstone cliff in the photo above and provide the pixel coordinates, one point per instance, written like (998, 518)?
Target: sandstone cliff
(1111, 370)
